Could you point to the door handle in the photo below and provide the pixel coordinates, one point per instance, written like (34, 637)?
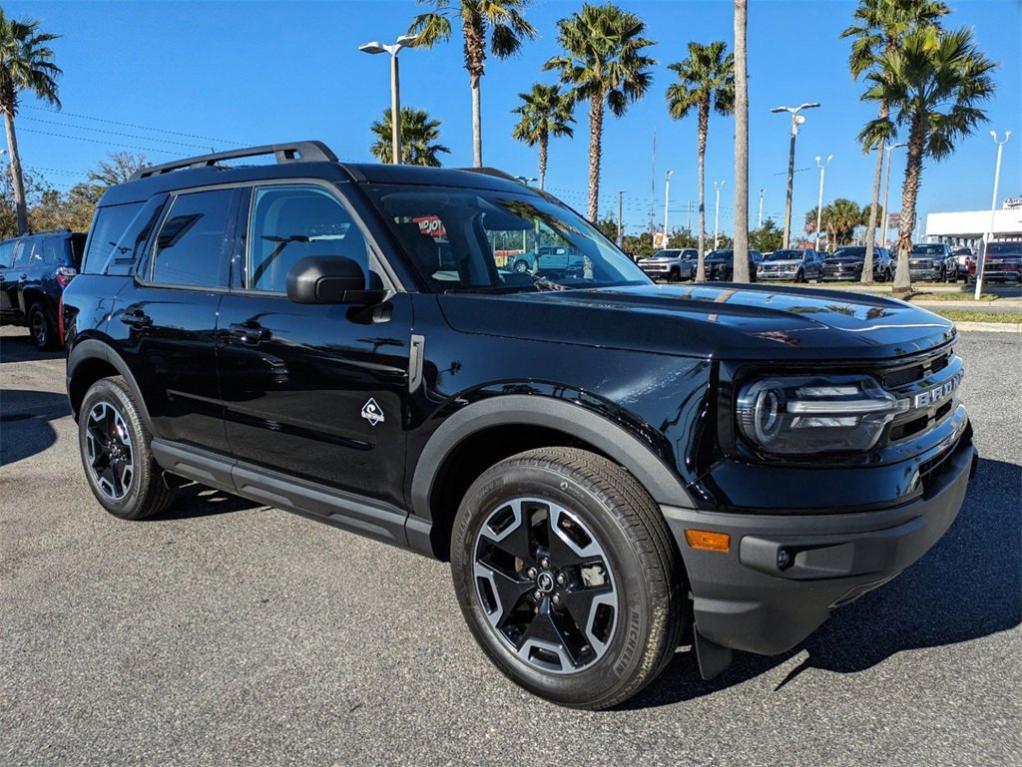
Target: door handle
(250, 332)
(137, 318)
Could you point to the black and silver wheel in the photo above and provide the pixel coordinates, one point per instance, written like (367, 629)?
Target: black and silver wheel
(800, 276)
(563, 566)
(114, 445)
(39, 327)
(521, 267)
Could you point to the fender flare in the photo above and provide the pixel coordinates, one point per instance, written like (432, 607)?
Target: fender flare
(90, 349)
(613, 440)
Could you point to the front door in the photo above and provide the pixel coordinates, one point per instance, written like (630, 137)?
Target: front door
(318, 392)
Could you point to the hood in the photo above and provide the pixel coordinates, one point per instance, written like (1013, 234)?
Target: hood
(728, 322)
(844, 260)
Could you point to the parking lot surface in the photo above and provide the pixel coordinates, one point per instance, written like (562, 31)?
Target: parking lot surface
(227, 633)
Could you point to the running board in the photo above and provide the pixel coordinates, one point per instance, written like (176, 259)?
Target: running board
(364, 516)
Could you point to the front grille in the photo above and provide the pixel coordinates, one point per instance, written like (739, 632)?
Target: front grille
(918, 376)
(897, 377)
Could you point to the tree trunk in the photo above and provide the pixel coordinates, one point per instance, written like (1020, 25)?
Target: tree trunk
(704, 124)
(909, 193)
(542, 160)
(595, 149)
(17, 179)
(474, 31)
(741, 215)
(871, 227)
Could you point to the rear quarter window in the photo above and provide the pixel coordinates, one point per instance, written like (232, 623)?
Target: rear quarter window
(107, 228)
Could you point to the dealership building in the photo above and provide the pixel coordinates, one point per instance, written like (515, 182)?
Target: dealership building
(967, 227)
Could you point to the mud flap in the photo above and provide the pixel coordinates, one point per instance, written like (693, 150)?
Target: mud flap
(711, 656)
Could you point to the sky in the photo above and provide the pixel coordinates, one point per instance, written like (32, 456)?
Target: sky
(173, 79)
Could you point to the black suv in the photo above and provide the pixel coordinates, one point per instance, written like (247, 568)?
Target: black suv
(846, 263)
(720, 264)
(34, 270)
(614, 468)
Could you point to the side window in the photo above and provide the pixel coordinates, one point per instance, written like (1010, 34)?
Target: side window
(107, 227)
(289, 223)
(192, 242)
(6, 254)
(22, 252)
(34, 248)
(54, 251)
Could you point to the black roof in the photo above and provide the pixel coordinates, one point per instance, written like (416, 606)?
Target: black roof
(203, 171)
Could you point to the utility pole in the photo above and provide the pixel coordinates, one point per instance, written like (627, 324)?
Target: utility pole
(667, 200)
(620, 229)
(652, 188)
(689, 225)
(395, 99)
(981, 261)
(717, 186)
(819, 200)
(796, 120)
(759, 216)
(887, 188)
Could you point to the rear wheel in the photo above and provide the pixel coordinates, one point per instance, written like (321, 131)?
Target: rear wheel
(114, 445)
(567, 576)
(40, 328)
(521, 267)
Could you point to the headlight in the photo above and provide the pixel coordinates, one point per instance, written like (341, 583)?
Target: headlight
(815, 414)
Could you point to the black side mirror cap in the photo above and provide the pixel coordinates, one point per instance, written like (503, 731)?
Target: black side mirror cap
(330, 280)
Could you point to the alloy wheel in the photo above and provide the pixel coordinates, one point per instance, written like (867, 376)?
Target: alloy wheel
(545, 584)
(109, 450)
(39, 329)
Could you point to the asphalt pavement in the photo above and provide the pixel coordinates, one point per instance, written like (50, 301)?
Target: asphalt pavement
(225, 633)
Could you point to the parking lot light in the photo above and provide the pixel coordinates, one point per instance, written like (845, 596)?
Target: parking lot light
(993, 207)
(393, 49)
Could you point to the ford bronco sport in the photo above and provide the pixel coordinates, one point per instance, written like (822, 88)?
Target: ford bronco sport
(613, 468)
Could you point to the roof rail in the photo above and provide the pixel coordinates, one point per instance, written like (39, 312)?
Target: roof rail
(295, 151)
(493, 172)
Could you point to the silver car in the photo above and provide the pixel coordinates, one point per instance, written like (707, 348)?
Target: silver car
(674, 265)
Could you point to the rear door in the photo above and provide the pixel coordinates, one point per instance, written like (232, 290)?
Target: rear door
(167, 316)
(314, 391)
(6, 265)
(14, 278)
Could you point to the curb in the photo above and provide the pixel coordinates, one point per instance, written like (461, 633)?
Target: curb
(989, 327)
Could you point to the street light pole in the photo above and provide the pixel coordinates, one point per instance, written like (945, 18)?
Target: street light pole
(620, 228)
(796, 120)
(887, 188)
(393, 49)
(667, 199)
(717, 186)
(759, 216)
(819, 200)
(993, 207)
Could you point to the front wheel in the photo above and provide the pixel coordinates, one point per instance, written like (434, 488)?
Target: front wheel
(567, 576)
(40, 328)
(114, 445)
(521, 267)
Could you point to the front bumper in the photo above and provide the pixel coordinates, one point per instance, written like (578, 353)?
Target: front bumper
(929, 273)
(761, 275)
(745, 600)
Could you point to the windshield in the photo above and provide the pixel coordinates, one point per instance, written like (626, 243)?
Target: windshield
(850, 253)
(665, 254)
(930, 250)
(483, 240)
(784, 255)
(719, 255)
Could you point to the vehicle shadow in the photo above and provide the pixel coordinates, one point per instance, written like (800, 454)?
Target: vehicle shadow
(194, 500)
(19, 348)
(25, 428)
(965, 588)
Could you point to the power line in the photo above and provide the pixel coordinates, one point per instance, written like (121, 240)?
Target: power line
(132, 125)
(97, 141)
(114, 132)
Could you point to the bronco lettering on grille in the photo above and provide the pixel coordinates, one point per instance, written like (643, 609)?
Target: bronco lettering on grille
(937, 393)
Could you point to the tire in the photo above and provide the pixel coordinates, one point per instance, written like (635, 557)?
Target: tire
(674, 275)
(521, 267)
(627, 635)
(800, 276)
(110, 410)
(40, 328)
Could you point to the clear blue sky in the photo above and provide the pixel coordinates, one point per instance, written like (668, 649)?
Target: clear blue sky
(259, 72)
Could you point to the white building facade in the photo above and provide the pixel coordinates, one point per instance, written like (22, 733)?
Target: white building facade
(967, 227)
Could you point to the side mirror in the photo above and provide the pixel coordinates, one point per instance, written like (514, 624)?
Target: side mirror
(330, 280)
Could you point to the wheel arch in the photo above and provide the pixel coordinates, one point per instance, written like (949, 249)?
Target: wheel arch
(490, 430)
(89, 361)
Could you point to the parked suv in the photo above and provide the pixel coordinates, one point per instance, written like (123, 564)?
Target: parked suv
(1003, 262)
(797, 265)
(34, 270)
(720, 264)
(673, 265)
(613, 468)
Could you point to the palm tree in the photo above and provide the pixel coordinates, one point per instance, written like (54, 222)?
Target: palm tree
(603, 64)
(878, 27)
(26, 64)
(707, 77)
(741, 245)
(932, 83)
(501, 18)
(545, 112)
(418, 137)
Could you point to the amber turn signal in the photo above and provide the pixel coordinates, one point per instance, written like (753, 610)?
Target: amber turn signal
(707, 540)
